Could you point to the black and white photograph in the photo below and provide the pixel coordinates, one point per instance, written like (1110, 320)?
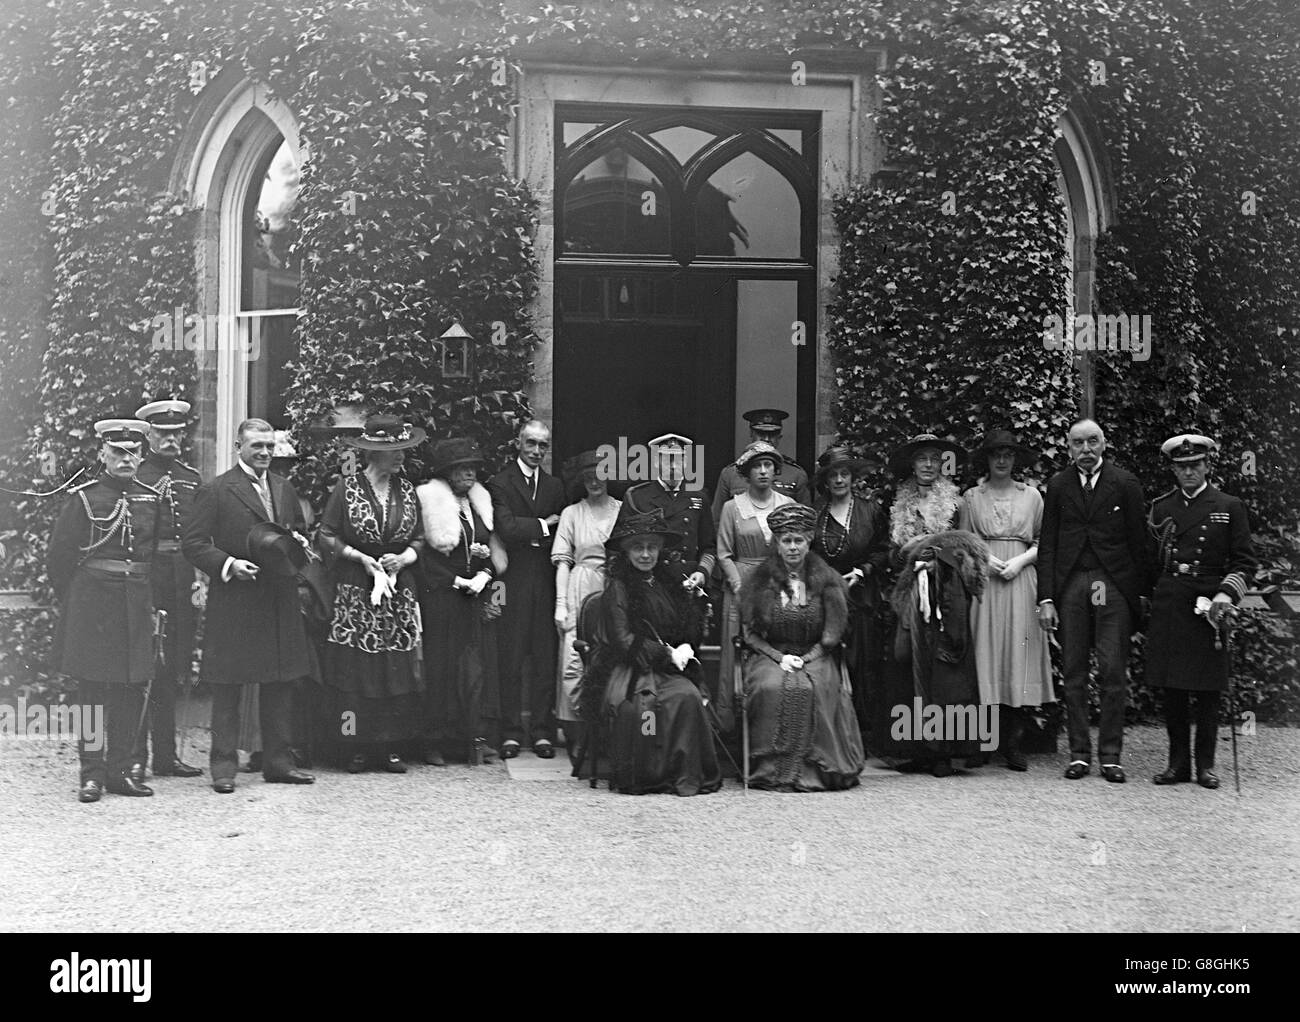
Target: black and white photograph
(744, 466)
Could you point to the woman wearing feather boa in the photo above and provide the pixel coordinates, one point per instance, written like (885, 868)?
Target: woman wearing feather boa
(938, 571)
(804, 733)
(460, 560)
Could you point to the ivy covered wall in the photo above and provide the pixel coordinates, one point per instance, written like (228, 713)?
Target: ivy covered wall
(949, 263)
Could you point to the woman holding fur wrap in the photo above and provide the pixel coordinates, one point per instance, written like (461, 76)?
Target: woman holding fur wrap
(804, 733)
(460, 560)
(938, 571)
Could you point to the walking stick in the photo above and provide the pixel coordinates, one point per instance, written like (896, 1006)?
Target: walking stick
(1226, 628)
(738, 643)
(159, 661)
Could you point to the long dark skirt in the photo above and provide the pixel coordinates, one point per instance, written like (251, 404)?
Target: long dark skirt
(462, 691)
(660, 735)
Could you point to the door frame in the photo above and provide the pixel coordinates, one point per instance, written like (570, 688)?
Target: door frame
(843, 93)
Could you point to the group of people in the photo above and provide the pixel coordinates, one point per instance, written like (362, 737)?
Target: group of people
(424, 620)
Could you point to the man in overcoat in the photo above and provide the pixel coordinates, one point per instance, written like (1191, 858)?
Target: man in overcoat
(98, 563)
(1204, 558)
(172, 576)
(253, 629)
(1092, 578)
(526, 505)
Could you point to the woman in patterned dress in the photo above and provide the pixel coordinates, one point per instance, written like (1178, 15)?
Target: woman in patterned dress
(372, 530)
(579, 558)
(1011, 655)
(803, 732)
(743, 544)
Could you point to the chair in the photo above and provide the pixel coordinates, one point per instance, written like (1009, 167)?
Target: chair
(587, 640)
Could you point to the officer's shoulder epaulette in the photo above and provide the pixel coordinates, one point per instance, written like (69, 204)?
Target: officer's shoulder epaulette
(141, 483)
(84, 485)
(791, 463)
(188, 468)
(1166, 495)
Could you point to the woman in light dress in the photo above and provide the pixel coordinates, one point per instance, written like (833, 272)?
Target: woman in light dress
(1011, 654)
(579, 558)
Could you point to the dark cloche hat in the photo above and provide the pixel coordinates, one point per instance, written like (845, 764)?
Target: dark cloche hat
(386, 433)
(838, 456)
(275, 548)
(651, 523)
(995, 439)
(449, 453)
(792, 518)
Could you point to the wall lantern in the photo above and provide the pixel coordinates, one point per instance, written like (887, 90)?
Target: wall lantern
(455, 353)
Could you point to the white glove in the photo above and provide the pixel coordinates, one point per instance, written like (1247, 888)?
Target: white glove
(682, 655)
(385, 585)
(478, 583)
(790, 662)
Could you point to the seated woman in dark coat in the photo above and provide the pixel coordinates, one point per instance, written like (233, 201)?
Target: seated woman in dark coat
(803, 732)
(644, 675)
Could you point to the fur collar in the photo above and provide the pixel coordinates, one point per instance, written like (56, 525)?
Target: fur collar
(442, 513)
(964, 552)
(761, 593)
(911, 516)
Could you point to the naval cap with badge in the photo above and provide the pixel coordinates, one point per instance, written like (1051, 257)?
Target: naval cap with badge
(1188, 447)
(126, 435)
(165, 414)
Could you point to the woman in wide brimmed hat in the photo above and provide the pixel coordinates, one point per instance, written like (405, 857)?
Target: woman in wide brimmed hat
(1011, 655)
(371, 528)
(852, 537)
(460, 600)
(930, 655)
(804, 734)
(645, 671)
(743, 544)
(579, 558)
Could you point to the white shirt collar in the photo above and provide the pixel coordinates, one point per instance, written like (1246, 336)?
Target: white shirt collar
(1193, 496)
(1084, 477)
(527, 470)
(249, 472)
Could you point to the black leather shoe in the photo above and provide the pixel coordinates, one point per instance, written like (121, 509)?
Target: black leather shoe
(300, 758)
(136, 773)
(393, 764)
(1207, 779)
(1113, 773)
(434, 757)
(510, 749)
(941, 768)
(1076, 770)
(223, 786)
(357, 764)
(176, 769)
(91, 791)
(1172, 775)
(543, 749)
(128, 785)
(1016, 760)
(290, 777)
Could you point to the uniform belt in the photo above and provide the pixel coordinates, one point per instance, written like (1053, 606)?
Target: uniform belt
(1183, 568)
(135, 568)
(168, 546)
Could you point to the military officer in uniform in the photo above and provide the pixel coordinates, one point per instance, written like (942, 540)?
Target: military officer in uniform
(685, 510)
(173, 578)
(1204, 556)
(765, 425)
(98, 563)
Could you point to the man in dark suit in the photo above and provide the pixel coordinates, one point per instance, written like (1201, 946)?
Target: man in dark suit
(1092, 579)
(526, 505)
(172, 578)
(1204, 556)
(253, 631)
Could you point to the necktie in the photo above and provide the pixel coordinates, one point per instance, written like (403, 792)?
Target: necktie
(264, 492)
(1087, 486)
(532, 484)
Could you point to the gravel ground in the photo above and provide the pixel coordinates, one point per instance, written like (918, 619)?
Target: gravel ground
(475, 849)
